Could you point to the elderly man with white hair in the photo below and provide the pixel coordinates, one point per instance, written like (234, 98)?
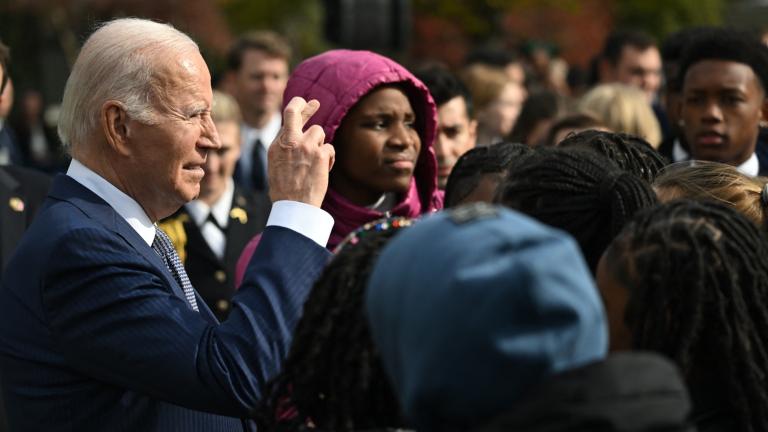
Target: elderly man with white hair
(100, 328)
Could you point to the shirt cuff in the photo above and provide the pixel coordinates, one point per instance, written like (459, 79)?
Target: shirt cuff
(307, 220)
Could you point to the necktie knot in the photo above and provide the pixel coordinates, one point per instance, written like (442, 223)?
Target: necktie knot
(163, 246)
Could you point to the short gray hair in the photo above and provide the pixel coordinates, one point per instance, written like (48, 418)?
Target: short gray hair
(117, 62)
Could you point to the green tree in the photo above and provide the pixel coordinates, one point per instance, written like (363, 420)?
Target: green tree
(662, 17)
(300, 21)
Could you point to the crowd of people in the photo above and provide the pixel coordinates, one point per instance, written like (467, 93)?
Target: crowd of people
(356, 244)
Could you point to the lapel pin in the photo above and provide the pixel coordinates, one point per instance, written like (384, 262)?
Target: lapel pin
(239, 214)
(16, 204)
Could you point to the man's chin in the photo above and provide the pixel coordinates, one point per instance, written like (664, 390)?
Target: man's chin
(190, 193)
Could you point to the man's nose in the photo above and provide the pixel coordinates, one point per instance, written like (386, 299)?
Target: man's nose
(440, 146)
(712, 111)
(209, 138)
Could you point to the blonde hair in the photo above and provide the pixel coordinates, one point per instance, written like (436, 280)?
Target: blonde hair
(714, 181)
(485, 84)
(622, 109)
(225, 108)
(118, 62)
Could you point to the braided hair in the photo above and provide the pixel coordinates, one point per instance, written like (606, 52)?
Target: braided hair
(577, 191)
(631, 153)
(698, 292)
(332, 378)
(466, 175)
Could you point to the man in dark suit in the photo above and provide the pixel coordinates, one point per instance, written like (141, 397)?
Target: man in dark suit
(100, 328)
(258, 64)
(22, 191)
(724, 76)
(211, 231)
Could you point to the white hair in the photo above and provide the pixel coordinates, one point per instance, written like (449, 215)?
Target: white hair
(118, 62)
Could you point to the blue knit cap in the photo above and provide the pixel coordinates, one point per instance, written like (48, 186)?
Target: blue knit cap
(471, 308)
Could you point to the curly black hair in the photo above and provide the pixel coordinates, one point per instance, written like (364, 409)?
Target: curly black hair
(726, 44)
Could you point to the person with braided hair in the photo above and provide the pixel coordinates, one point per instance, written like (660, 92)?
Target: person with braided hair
(479, 171)
(631, 153)
(714, 181)
(332, 378)
(577, 191)
(689, 280)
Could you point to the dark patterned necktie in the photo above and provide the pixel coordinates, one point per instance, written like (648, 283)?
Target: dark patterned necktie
(259, 167)
(163, 246)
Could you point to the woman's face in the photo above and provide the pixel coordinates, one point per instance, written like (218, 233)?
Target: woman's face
(377, 147)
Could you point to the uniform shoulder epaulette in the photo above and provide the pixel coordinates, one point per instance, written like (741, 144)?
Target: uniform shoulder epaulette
(174, 227)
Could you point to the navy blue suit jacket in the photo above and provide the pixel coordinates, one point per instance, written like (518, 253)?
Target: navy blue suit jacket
(95, 333)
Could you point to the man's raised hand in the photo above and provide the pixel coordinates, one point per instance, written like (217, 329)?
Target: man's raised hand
(299, 161)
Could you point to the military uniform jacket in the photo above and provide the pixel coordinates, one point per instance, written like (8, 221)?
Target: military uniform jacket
(213, 278)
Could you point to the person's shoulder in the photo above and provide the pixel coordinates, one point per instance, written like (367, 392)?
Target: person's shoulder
(604, 393)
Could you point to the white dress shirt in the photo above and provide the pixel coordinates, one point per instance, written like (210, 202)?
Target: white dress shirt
(750, 167)
(678, 152)
(248, 137)
(124, 205)
(213, 232)
(305, 219)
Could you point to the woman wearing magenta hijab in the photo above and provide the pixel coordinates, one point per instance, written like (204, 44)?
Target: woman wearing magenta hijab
(382, 122)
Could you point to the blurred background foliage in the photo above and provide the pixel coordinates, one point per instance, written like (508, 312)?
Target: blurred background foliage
(301, 21)
(45, 35)
(480, 19)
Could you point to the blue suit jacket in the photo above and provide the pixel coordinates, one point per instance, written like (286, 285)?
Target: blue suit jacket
(95, 334)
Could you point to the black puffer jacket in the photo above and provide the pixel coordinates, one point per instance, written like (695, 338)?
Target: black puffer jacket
(627, 392)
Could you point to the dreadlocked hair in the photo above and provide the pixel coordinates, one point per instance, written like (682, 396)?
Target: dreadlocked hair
(698, 292)
(577, 191)
(631, 153)
(332, 378)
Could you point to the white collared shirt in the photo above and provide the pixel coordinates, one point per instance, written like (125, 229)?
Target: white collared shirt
(307, 220)
(213, 234)
(678, 152)
(248, 137)
(750, 167)
(124, 205)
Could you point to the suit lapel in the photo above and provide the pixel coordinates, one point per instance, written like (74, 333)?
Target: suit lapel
(12, 215)
(67, 189)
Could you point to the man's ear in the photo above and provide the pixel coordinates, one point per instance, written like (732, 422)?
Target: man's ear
(114, 123)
